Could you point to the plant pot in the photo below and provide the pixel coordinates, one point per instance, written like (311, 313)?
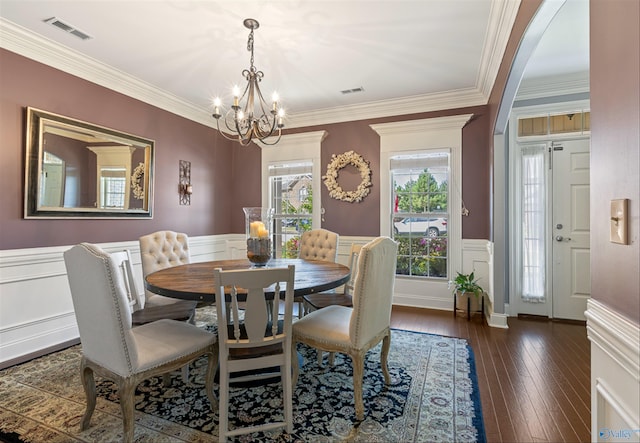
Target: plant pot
(468, 303)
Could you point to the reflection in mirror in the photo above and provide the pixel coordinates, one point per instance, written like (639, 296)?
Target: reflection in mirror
(76, 169)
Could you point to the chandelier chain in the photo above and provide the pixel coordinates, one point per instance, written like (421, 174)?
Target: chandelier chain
(250, 48)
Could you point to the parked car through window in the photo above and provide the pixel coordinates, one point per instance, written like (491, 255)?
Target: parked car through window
(430, 227)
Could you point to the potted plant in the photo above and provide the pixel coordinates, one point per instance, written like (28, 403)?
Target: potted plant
(463, 285)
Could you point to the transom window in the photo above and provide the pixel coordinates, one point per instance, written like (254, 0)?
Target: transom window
(420, 215)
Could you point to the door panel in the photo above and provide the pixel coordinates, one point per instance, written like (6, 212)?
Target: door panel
(571, 280)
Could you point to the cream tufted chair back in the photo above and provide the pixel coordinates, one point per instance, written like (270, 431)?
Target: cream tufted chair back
(319, 244)
(160, 250)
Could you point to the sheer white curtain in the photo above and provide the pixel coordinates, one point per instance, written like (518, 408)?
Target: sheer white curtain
(533, 223)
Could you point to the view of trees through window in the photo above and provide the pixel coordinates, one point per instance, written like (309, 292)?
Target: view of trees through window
(292, 200)
(420, 218)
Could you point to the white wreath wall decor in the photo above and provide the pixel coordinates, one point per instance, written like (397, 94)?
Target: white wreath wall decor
(331, 178)
(136, 181)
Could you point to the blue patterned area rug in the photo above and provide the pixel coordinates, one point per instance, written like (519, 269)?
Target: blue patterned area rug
(433, 396)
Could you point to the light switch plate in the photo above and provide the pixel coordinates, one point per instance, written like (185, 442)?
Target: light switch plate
(619, 221)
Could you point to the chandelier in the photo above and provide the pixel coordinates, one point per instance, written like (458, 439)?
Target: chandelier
(251, 117)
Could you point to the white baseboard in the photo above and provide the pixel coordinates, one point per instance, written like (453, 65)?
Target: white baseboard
(615, 374)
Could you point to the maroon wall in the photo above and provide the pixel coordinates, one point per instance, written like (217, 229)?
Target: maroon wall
(28, 83)
(245, 188)
(363, 218)
(225, 176)
(615, 150)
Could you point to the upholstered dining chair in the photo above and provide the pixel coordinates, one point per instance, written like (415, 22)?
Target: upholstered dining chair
(112, 347)
(316, 244)
(160, 250)
(254, 342)
(141, 313)
(313, 302)
(355, 330)
(343, 298)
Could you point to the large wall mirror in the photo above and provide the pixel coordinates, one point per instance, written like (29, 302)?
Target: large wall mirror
(76, 169)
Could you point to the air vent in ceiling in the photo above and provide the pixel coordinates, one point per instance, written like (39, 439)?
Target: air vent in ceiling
(351, 91)
(66, 27)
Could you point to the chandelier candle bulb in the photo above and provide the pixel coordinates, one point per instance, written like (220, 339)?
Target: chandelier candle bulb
(236, 96)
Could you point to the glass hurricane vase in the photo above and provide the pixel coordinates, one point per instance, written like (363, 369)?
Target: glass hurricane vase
(258, 222)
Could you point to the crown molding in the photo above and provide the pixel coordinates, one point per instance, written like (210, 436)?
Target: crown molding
(501, 19)
(404, 106)
(23, 42)
(551, 86)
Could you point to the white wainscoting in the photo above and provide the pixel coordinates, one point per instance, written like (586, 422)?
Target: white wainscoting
(615, 374)
(430, 294)
(36, 311)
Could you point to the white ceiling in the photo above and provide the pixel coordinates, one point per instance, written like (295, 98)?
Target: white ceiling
(405, 54)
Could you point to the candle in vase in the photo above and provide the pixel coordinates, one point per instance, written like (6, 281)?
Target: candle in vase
(254, 229)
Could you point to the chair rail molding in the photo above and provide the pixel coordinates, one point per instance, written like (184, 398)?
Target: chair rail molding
(615, 374)
(37, 278)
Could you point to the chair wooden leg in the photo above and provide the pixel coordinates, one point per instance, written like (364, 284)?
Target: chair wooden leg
(89, 384)
(126, 390)
(287, 397)
(212, 365)
(223, 407)
(294, 364)
(358, 374)
(384, 355)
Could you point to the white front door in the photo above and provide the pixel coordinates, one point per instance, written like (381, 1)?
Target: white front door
(564, 284)
(570, 273)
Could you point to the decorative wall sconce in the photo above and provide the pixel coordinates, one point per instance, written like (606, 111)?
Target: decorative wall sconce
(618, 221)
(185, 189)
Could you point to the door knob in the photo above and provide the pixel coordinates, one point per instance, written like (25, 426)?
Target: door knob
(561, 238)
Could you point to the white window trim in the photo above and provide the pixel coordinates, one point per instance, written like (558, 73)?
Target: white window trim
(516, 304)
(291, 148)
(421, 135)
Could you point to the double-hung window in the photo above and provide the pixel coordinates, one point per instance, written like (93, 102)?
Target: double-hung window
(420, 215)
(291, 174)
(113, 185)
(291, 197)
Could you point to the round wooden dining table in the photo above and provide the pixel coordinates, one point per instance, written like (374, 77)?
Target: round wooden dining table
(194, 281)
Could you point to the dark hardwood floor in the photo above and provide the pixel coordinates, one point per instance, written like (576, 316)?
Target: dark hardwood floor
(534, 377)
